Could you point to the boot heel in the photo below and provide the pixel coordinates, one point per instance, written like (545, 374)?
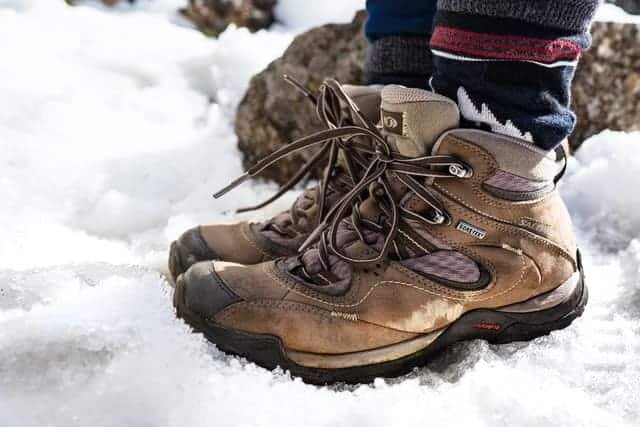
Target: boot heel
(528, 320)
(527, 326)
(535, 318)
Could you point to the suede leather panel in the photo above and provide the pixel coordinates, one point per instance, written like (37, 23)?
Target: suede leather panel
(236, 243)
(303, 327)
(554, 263)
(398, 298)
(547, 216)
(428, 113)
(251, 282)
(387, 303)
(512, 155)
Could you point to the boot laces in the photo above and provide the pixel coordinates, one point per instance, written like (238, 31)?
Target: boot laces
(384, 167)
(380, 165)
(330, 143)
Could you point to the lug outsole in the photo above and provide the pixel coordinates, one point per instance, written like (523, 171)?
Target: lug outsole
(494, 326)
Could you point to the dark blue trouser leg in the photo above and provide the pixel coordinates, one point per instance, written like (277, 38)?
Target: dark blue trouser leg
(399, 17)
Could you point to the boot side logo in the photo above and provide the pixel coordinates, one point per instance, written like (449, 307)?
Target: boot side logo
(393, 122)
(471, 230)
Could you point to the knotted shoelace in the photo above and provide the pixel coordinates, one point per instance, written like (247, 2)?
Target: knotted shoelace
(329, 110)
(380, 165)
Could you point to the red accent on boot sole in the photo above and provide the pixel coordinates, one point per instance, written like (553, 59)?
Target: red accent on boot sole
(488, 326)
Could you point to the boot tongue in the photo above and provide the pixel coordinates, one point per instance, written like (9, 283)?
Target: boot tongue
(413, 119)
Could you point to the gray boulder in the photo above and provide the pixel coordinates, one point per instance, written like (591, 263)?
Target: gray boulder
(212, 17)
(631, 6)
(606, 91)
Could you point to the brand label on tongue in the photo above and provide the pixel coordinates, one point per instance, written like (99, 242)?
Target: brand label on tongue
(394, 122)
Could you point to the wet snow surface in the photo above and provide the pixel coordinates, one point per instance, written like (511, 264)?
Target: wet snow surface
(115, 128)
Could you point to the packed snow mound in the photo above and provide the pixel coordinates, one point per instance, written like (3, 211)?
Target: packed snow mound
(115, 129)
(299, 15)
(601, 188)
(608, 12)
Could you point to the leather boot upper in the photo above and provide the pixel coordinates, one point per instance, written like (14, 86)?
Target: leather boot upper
(482, 226)
(253, 242)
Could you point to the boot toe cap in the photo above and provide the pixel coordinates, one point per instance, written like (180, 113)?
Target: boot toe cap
(189, 249)
(205, 292)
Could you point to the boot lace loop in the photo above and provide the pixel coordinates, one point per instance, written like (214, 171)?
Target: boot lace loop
(379, 165)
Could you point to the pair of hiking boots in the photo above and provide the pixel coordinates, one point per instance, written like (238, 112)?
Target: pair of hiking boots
(420, 234)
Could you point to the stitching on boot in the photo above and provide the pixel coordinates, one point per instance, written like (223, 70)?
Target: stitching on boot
(220, 281)
(442, 290)
(413, 241)
(284, 305)
(469, 297)
(294, 286)
(253, 244)
(516, 230)
(476, 186)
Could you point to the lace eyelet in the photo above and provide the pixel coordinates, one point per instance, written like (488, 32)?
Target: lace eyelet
(461, 171)
(439, 217)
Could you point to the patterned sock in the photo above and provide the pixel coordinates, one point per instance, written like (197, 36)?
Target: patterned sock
(398, 32)
(510, 63)
(400, 59)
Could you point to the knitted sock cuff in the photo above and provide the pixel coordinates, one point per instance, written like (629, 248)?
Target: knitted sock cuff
(572, 15)
(402, 54)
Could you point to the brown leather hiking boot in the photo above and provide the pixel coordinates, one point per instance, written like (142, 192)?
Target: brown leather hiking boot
(251, 243)
(463, 236)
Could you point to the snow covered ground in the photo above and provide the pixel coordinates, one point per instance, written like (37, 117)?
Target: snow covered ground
(110, 146)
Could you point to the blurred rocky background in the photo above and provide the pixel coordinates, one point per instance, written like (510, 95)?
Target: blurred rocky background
(606, 92)
(631, 6)
(213, 16)
(105, 2)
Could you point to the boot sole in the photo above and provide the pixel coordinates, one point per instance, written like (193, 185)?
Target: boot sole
(518, 322)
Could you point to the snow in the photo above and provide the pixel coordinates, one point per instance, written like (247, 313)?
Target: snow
(611, 13)
(299, 15)
(115, 128)
(602, 190)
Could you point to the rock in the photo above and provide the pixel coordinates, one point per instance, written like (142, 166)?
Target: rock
(213, 16)
(272, 112)
(606, 92)
(631, 6)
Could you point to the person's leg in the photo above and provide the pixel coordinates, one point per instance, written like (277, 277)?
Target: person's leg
(398, 32)
(509, 63)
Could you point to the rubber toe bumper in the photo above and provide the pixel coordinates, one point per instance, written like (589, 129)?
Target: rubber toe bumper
(189, 249)
(205, 293)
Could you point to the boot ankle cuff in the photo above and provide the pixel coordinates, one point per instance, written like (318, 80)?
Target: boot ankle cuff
(572, 15)
(402, 55)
